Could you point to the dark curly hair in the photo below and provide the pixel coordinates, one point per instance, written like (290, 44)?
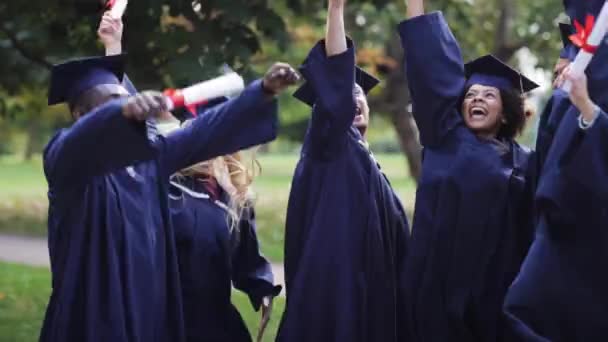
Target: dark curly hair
(514, 112)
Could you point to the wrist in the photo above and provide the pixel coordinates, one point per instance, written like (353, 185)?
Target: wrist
(267, 90)
(113, 49)
(588, 110)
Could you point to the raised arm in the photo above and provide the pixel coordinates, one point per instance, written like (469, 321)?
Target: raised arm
(335, 34)
(110, 33)
(415, 8)
(101, 141)
(329, 70)
(247, 120)
(435, 72)
(587, 161)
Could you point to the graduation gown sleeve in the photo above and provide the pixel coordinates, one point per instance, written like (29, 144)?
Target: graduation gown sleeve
(333, 81)
(126, 82)
(436, 76)
(245, 121)
(251, 272)
(588, 161)
(101, 141)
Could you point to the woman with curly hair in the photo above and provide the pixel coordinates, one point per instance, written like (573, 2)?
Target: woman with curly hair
(473, 220)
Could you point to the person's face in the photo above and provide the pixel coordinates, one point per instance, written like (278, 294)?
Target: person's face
(96, 97)
(482, 110)
(361, 121)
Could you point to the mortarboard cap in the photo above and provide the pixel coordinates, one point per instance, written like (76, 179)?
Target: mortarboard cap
(70, 79)
(366, 81)
(490, 71)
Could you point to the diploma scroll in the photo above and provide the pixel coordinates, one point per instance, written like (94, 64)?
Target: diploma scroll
(117, 8)
(201, 93)
(588, 45)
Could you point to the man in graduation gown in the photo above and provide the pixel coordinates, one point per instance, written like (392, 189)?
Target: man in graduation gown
(111, 245)
(346, 231)
(560, 293)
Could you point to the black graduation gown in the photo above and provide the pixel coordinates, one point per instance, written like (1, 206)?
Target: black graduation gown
(472, 221)
(346, 231)
(112, 251)
(211, 259)
(560, 293)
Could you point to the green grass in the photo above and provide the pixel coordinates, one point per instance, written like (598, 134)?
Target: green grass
(23, 202)
(24, 293)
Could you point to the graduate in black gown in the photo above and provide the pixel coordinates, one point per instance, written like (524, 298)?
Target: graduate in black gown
(211, 206)
(346, 231)
(113, 256)
(560, 293)
(472, 221)
(558, 103)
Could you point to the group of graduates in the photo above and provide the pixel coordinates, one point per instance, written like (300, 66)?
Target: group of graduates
(151, 218)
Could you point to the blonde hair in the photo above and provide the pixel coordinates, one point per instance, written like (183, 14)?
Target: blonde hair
(235, 176)
(234, 173)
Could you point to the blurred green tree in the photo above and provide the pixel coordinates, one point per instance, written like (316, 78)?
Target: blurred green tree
(174, 43)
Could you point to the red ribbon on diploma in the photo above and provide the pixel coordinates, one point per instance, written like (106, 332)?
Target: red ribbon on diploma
(110, 4)
(582, 34)
(177, 97)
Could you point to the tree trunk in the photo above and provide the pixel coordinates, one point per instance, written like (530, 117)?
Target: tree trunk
(32, 144)
(505, 46)
(395, 100)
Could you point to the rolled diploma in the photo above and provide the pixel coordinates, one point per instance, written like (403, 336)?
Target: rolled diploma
(226, 85)
(583, 58)
(119, 8)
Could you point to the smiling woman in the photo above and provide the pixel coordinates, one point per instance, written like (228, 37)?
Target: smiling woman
(473, 221)
(494, 112)
(493, 104)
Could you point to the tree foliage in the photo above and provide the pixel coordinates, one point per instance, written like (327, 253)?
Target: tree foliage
(175, 43)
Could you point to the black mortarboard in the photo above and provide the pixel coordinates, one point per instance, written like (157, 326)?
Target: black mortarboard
(490, 71)
(70, 79)
(366, 81)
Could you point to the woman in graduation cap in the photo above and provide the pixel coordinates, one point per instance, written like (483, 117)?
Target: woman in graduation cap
(473, 221)
(346, 231)
(112, 250)
(215, 233)
(560, 292)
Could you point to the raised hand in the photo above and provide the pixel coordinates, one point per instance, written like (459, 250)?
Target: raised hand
(279, 77)
(579, 94)
(335, 33)
(110, 33)
(144, 105)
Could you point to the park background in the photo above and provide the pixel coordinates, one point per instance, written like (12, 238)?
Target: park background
(176, 43)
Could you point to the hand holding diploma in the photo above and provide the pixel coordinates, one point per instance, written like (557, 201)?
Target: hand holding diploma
(587, 38)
